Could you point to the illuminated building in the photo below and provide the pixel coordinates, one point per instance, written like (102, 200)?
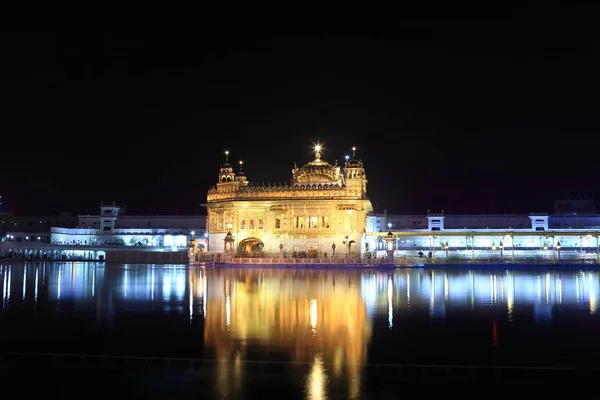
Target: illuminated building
(551, 238)
(95, 236)
(322, 209)
(324, 213)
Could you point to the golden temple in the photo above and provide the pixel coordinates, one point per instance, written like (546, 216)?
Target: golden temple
(322, 208)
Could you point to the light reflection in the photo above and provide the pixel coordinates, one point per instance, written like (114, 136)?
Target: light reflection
(6, 286)
(407, 289)
(204, 294)
(24, 291)
(375, 293)
(313, 316)
(36, 284)
(228, 311)
(390, 304)
(191, 300)
(544, 290)
(128, 286)
(316, 382)
(58, 285)
(288, 307)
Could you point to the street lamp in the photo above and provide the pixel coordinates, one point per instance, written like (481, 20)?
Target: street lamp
(333, 250)
(346, 243)
(389, 238)
(445, 248)
(558, 249)
(501, 246)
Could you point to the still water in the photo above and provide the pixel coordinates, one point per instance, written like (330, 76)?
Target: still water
(328, 322)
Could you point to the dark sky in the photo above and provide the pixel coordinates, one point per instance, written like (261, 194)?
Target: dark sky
(491, 112)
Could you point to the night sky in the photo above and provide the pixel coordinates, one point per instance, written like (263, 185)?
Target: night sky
(490, 112)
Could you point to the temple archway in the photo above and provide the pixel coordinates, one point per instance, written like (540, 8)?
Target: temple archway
(251, 247)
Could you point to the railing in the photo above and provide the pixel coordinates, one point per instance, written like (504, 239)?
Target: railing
(421, 372)
(121, 231)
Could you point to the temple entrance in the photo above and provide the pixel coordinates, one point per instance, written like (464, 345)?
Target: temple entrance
(251, 247)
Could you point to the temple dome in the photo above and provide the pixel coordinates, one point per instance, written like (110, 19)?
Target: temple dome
(317, 172)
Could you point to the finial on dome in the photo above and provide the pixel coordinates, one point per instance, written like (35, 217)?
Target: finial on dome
(318, 151)
(241, 163)
(226, 156)
(353, 152)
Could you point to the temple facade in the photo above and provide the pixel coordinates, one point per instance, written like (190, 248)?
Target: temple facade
(320, 213)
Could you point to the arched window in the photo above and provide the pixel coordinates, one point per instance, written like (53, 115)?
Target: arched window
(277, 223)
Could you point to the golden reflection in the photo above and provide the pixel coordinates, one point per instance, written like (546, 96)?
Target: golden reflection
(314, 316)
(311, 316)
(316, 382)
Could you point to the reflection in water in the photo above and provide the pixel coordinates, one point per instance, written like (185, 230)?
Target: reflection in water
(309, 316)
(128, 287)
(320, 319)
(263, 304)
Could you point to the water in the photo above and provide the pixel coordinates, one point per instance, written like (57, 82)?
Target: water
(325, 325)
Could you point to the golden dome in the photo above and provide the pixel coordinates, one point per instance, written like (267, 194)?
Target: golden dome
(317, 172)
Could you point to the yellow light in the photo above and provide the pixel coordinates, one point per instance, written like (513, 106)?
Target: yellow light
(318, 147)
(226, 152)
(241, 162)
(353, 148)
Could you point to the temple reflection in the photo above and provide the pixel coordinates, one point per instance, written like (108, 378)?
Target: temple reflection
(299, 310)
(308, 316)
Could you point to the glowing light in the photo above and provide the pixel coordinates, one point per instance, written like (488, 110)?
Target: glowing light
(317, 147)
(313, 316)
(316, 382)
(193, 233)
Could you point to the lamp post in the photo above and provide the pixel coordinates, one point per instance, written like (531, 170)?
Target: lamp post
(432, 247)
(445, 248)
(333, 250)
(512, 246)
(501, 247)
(389, 238)
(346, 247)
(558, 250)
(281, 250)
